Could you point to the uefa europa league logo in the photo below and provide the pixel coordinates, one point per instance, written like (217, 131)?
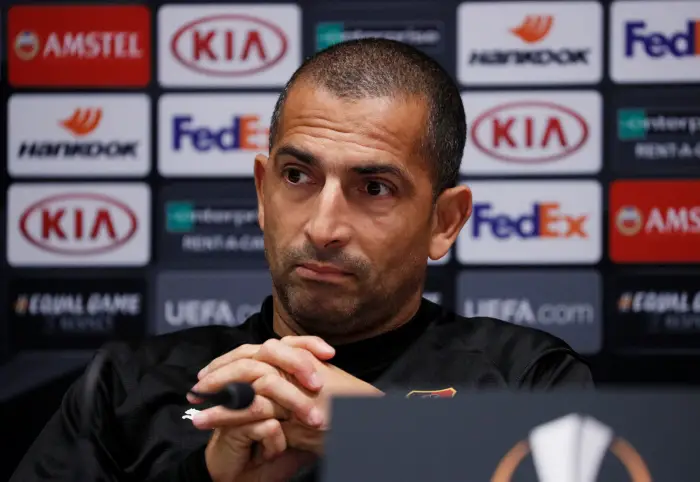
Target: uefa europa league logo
(571, 449)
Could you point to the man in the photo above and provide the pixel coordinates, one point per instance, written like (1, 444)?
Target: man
(359, 190)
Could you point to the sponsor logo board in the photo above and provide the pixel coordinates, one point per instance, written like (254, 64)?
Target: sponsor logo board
(656, 313)
(533, 133)
(212, 134)
(81, 225)
(228, 45)
(655, 41)
(533, 222)
(657, 134)
(655, 221)
(79, 135)
(510, 43)
(566, 304)
(79, 46)
(211, 224)
(189, 299)
(426, 35)
(76, 313)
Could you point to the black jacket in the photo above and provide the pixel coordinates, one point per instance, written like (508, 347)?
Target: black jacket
(138, 429)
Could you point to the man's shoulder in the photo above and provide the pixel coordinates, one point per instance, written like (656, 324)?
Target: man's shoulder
(510, 348)
(493, 335)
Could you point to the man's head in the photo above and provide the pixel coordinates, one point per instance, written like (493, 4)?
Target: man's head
(365, 146)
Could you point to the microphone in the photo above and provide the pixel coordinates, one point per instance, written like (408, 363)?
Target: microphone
(234, 396)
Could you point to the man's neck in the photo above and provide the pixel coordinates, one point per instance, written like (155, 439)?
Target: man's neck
(284, 325)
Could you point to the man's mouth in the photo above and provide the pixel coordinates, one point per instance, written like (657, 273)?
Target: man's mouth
(321, 271)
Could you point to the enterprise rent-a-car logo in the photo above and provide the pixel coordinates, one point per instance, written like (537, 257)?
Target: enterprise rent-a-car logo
(201, 226)
(661, 134)
(423, 34)
(215, 224)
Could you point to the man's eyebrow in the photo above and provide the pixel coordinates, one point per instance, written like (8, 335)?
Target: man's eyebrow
(378, 168)
(299, 154)
(368, 169)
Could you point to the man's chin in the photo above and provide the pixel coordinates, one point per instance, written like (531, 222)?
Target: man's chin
(316, 307)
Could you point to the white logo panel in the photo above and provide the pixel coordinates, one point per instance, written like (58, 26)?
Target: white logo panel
(81, 225)
(569, 448)
(655, 41)
(212, 134)
(515, 43)
(531, 133)
(227, 45)
(96, 135)
(533, 222)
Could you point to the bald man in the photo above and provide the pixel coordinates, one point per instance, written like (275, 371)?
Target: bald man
(360, 189)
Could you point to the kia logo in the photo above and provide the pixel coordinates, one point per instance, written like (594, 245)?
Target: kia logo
(78, 224)
(229, 45)
(529, 132)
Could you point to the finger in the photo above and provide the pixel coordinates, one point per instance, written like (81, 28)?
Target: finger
(262, 408)
(317, 346)
(270, 435)
(241, 371)
(273, 440)
(303, 438)
(243, 351)
(295, 361)
(290, 397)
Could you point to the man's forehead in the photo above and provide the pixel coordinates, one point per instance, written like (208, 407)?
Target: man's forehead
(392, 124)
(389, 111)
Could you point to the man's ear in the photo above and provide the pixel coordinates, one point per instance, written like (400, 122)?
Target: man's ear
(259, 171)
(452, 209)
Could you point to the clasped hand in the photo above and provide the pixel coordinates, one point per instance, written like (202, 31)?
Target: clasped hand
(293, 382)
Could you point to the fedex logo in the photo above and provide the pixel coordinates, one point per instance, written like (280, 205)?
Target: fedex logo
(681, 43)
(654, 42)
(532, 222)
(544, 220)
(242, 132)
(214, 135)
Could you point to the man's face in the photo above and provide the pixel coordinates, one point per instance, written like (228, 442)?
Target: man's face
(345, 206)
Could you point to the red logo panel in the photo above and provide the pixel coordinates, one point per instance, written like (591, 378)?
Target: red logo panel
(655, 221)
(79, 46)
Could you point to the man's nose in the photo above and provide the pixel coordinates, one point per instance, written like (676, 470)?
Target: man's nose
(327, 227)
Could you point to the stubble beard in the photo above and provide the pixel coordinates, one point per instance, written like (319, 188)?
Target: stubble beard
(337, 311)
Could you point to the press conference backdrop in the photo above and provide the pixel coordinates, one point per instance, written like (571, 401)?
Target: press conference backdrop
(130, 132)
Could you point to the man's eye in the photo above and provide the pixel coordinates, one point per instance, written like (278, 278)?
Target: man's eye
(376, 188)
(295, 176)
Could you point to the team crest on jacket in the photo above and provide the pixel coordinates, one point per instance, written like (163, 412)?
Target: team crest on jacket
(444, 393)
